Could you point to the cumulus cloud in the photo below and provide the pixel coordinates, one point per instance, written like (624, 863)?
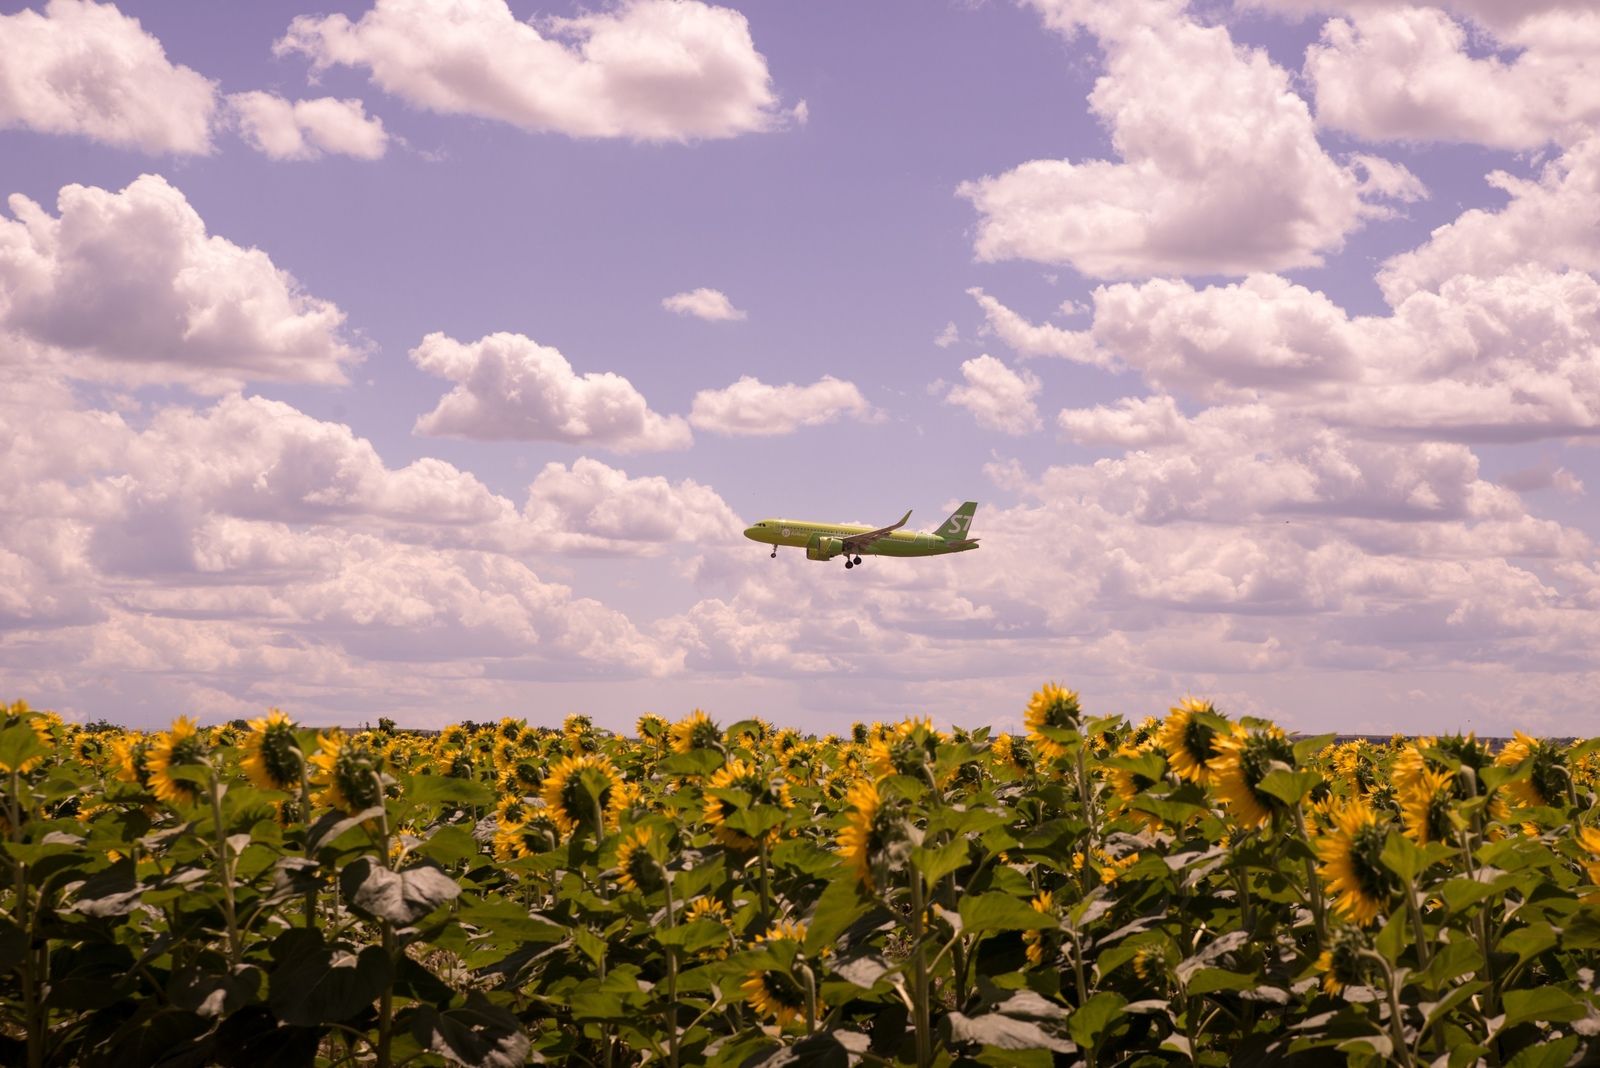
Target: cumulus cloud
(1043, 339)
(1408, 73)
(1133, 422)
(652, 70)
(998, 397)
(712, 305)
(305, 129)
(87, 69)
(510, 388)
(1221, 171)
(750, 407)
(590, 507)
(132, 287)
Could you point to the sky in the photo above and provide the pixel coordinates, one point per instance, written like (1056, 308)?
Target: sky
(427, 358)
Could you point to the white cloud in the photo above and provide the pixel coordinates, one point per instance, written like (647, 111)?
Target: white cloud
(653, 70)
(87, 69)
(1407, 73)
(709, 304)
(304, 129)
(751, 407)
(132, 286)
(1039, 340)
(1553, 222)
(1133, 422)
(590, 507)
(510, 388)
(998, 397)
(950, 335)
(1221, 171)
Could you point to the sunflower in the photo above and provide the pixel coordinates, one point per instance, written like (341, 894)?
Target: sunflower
(1038, 941)
(637, 869)
(1190, 737)
(1356, 763)
(1352, 864)
(903, 749)
(796, 763)
(350, 774)
(1112, 868)
(1149, 961)
(753, 782)
(653, 729)
(575, 727)
(776, 993)
(1589, 838)
(509, 730)
(511, 808)
(272, 759)
(41, 723)
(1051, 708)
(1546, 784)
(1342, 963)
(1243, 759)
(863, 837)
(1425, 805)
(1127, 784)
(132, 752)
(181, 745)
(524, 838)
(695, 731)
(88, 748)
(1447, 755)
(580, 790)
(751, 734)
(786, 739)
(705, 908)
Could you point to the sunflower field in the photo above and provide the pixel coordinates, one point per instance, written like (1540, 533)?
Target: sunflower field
(1195, 889)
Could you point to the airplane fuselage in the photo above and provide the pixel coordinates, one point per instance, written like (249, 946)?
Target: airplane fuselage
(818, 538)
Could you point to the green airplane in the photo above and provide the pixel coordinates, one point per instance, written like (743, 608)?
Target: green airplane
(824, 541)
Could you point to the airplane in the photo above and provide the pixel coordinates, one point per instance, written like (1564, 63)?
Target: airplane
(824, 541)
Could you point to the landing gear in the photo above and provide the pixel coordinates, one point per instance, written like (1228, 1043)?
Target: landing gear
(774, 552)
(852, 563)
(858, 561)
(847, 564)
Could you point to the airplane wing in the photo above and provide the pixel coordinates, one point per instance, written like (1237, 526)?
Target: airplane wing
(857, 542)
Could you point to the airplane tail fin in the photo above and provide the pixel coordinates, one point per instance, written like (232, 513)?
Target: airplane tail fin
(959, 524)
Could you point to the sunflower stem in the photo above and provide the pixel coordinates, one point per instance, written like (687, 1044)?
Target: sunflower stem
(766, 889)
(1313, 883)
(385, 1057)
(672, 972)
(225, 855)
(37, 1018)
(919, 972)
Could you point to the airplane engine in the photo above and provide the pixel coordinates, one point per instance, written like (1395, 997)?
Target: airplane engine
(824, 548)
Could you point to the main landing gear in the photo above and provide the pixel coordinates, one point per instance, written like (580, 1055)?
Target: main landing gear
(848, 563)
(774, 552)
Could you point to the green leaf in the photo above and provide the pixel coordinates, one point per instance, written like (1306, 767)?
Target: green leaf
(1548, 1003)
(1392, 940)
(935, 864)
(1001, 912)
(693, 937)
(1306, 748)
(18, 745)
(1289, 786)
(593, 946)
(1002, 1032)
(756, 821)
(503, 921)
(1436, 1010)
(324, 984)
(1094, 1017)
(1553, 1054)
(1403, 856)
(331, 825)
(841, 904)
(694, 762)
(1528, 942)
(1211, 980)
(479, 1035)
(401, 897)
(433, 789)
(450, 844)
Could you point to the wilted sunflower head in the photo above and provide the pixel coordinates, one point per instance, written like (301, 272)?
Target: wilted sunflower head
(1243, 759)
(578, 793)
(1189, 736)
(1054, 708)
(695, 731)
(181, 745)
(1342, 963)
(752, 781)
(1547, 779)
(351, 776)
(637, 868)
(1352, 862)
(272, 759)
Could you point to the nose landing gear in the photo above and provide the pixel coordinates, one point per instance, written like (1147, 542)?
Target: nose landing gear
(774, 552)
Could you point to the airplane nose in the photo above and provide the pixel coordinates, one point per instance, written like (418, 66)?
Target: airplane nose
(751, 533)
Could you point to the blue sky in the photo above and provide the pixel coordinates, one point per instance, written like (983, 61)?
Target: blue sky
(1266, 390)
